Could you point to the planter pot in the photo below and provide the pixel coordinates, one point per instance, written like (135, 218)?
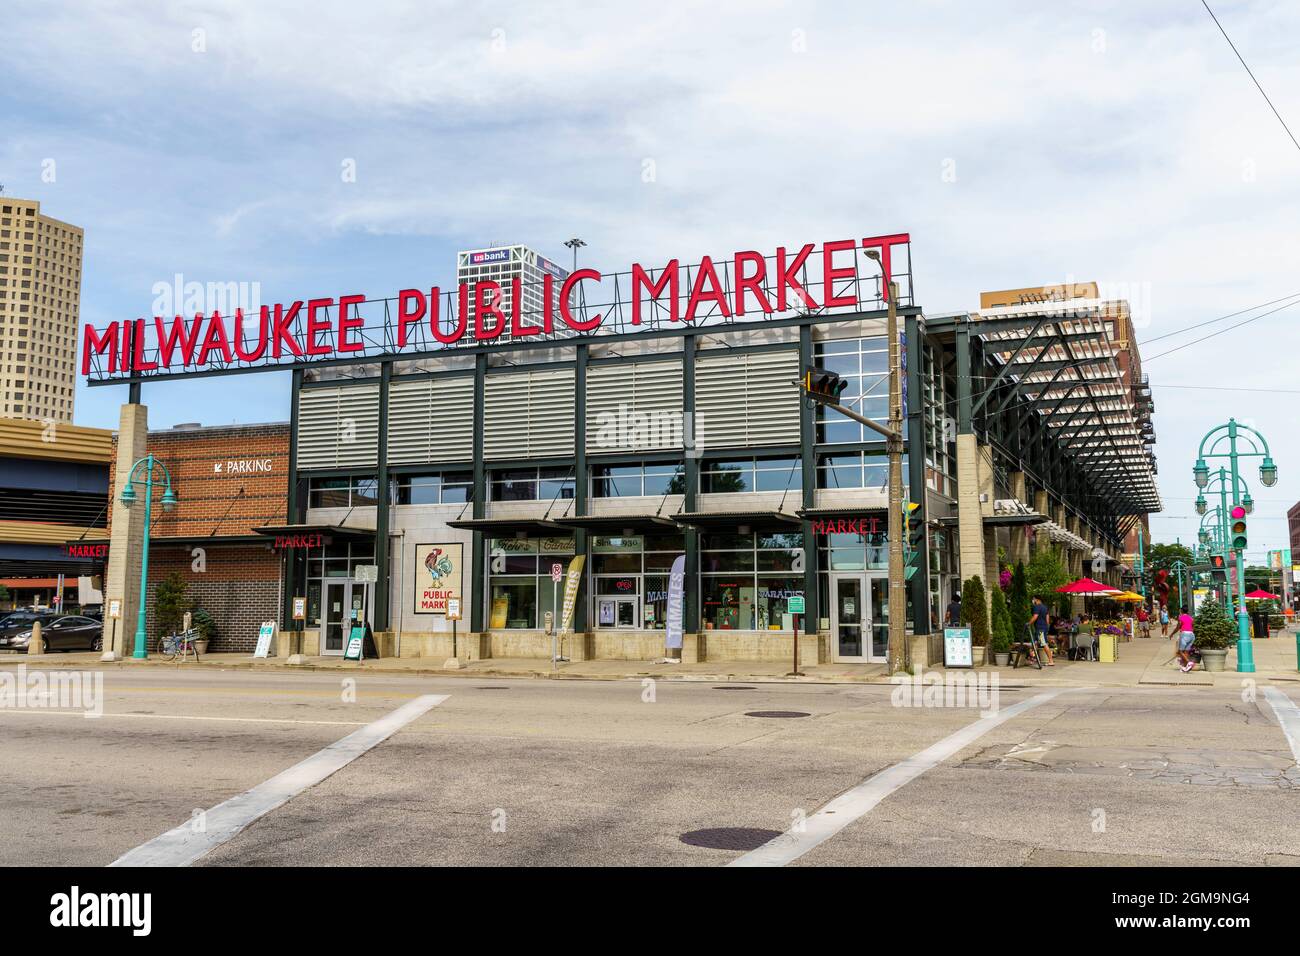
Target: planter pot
(202, 646)
(1214, 659)
(1001, 658)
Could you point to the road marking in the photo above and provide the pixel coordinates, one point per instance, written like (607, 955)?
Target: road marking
(862, 799)
(184, 844)
(1288, 715)
(246, 720)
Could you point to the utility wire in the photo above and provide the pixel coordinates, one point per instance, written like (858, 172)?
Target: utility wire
(1252, 75)
(1179, 348)
(1230, 315)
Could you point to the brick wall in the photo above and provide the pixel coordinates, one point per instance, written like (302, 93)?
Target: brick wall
(200, 461)
(239, 588)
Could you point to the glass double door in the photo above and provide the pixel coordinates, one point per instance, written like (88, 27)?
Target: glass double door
(347, 604)
(860, 617)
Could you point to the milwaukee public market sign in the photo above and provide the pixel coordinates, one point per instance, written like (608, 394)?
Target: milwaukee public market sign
(748, 286)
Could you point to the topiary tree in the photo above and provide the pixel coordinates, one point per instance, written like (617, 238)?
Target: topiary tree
(170, 603)
(1213, 628)
(1001, 637)
(1019, 605)
(974, 611)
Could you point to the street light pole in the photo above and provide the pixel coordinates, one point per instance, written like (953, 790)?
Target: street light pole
(1258, 448)
(128, 497)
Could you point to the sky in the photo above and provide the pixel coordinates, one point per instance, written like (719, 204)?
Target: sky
(359, 146)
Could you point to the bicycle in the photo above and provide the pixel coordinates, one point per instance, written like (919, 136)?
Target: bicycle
(180, 646)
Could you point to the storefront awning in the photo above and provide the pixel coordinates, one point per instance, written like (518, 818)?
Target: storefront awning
(716, 520)
(511, 527)
(334, 531)
(840, 511)
(613, 524)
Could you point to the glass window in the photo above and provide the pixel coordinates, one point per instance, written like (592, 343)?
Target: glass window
(514, 603)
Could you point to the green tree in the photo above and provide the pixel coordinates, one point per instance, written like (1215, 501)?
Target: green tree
(1001, 623)
(1213, 628)
(974, 611)
(170, 603)
(1020, 607)
(1046, 572)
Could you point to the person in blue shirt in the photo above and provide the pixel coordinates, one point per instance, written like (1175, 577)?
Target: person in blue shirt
(1039, 623)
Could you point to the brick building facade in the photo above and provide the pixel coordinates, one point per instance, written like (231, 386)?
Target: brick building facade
(230, 481)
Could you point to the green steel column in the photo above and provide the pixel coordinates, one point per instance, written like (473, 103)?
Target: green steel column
(808, 462)
(691, 472)
(292, 504)
(920, 583)
(962, 352)
(478, 596)
(581, 485)
(383, 506)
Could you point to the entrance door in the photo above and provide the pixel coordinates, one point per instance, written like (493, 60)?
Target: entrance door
(859, 624)
(347, 603)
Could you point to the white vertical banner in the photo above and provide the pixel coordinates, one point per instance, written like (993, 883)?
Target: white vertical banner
(676, 589)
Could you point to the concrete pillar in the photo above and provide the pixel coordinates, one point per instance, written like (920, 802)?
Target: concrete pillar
(122, 576)
(970, 520)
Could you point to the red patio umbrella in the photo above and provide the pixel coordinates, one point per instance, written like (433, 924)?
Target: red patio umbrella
(1084, 586)
(1257, 594)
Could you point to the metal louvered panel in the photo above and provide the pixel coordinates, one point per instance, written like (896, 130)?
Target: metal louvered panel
(651, 391)
(431, 420)
(747, 399)
(338, 426)
(528, 414)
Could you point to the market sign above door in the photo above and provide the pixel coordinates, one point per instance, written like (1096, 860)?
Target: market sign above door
(827, 279)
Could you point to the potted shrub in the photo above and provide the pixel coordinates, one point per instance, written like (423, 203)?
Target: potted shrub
(202, 622)
(1215, 633)
(974, 612)
(1001, 629)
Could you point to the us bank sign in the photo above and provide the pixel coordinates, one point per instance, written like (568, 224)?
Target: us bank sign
(790, 282)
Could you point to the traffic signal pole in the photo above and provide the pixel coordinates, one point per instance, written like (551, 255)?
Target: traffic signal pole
(824, 387)
(894, 446)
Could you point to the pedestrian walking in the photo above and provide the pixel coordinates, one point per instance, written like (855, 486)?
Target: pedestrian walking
(953, 617)
(1039, 624)
(1164, 620)
(1186, 637)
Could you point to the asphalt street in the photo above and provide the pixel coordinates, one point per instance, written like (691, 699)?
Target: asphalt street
(531, 772)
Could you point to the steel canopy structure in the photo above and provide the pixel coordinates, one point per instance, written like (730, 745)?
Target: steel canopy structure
(1048, 391)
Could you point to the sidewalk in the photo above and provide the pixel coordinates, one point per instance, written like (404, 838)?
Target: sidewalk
(1142, 662)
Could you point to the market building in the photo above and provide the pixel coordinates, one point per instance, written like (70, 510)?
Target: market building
(648, 437)
(53, 510)
(232, 482)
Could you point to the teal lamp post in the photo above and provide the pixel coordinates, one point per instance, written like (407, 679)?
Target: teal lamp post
(1234, 441)
(149, 463)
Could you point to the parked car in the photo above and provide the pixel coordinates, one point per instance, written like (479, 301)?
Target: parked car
(72, 632)
(16, 622)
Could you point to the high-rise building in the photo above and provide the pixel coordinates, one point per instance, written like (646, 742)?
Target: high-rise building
(500, 264)
(40, 301)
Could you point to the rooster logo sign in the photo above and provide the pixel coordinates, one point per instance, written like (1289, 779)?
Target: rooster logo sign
(438, 564)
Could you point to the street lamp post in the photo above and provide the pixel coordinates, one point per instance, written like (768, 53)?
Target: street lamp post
(128, 497)
(1255, 447)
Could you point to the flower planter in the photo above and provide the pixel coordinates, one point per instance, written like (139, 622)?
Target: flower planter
(1214, 658)
(1001, 658)
(201, 645)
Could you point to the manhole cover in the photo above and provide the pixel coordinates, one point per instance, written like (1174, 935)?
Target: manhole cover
(777, 713)
(734, 687)
(729, 838)
(491, 688)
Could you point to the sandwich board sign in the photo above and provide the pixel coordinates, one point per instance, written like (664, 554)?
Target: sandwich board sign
(957, 649)
(264, 637)
(356, 643)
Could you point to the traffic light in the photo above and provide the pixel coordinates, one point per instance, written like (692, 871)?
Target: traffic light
(1237, 528)
(913, 542)
(823, 385)
(1218, 567)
